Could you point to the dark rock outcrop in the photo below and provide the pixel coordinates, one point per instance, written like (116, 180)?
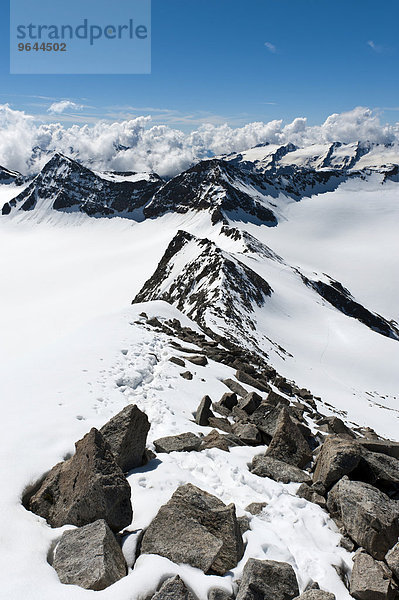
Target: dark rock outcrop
(87, 487)
(89, 557)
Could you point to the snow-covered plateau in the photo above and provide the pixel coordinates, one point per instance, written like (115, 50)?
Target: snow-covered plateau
(286, 258)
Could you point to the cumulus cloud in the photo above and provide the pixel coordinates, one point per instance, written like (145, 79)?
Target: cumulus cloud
(137, 145)
(271, 47)
(59, 107)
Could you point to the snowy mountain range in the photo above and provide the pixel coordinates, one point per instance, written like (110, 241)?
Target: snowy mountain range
(275, 269)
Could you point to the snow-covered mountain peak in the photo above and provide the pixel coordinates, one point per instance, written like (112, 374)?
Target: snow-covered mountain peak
(209, 285)
(65, 185)
(218, 187)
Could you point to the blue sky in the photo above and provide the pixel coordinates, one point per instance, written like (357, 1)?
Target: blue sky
(230, 61)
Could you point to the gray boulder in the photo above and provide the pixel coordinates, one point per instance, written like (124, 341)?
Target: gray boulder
(204, 412)
(371, 579)
(259, 384)
(369, 517)
(380, 469)
(196, 528)
(184, 442)
(219, 594)
(337, 458)
(255, 508)
(266, 466)
(229, 400)
(126, 433)
(381, 446)
(84, 488)
(187, 375)
(174, 589)
(311, 495)
(275, 398)
(244, 524)
(392, 560)
(214, 439)
(316, 595)
(250, 403)
(220, 423)
(177, 361)
(288, 443)
(89, 557)
(247, 433)
(335, 425)
(267, 580)
(265, 417)
(200, 361)
(235, 387)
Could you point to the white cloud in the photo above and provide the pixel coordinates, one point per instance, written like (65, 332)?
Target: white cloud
(374, 46)
(271, 47)
(57, 108)
(138, 145)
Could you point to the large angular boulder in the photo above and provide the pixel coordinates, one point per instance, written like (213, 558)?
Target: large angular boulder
(250, 403)
(229, 400)
(89, 557)
(220, 423)
(214, 439)
(126, 433)
(338, 457)
(266, 466)
(275, 398)
(259, 384)
(316, 595)
(198, 529)
(368, 515)
(379, 470)
(174, 589)
(248, 433)
(204, 412)
(288, 443)
(381, 446)
(265, 417)
(392, 560)
(183, 442)
(371, 579)
(235, 387)
(84, 488)
(267, 580)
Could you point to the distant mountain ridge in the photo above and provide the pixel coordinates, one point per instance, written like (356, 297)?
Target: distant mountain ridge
(249, 186)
